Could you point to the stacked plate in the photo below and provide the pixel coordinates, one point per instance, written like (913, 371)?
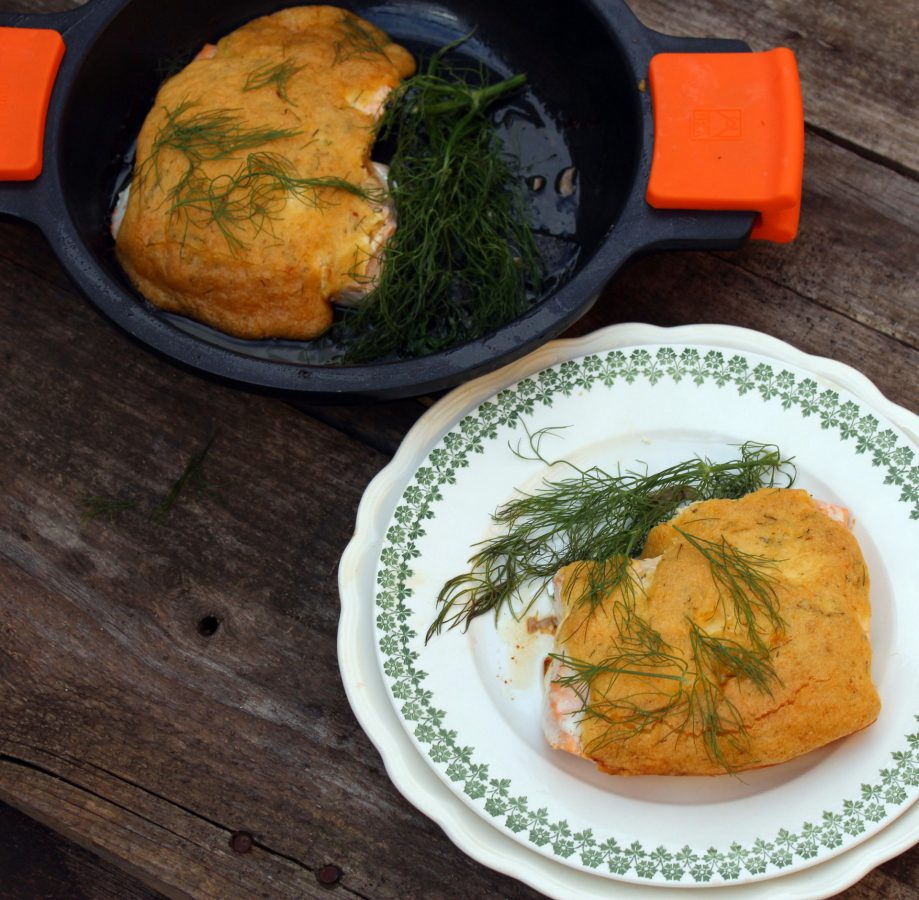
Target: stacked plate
(457, 719)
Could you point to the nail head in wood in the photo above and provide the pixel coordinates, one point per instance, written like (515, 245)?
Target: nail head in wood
(241, 841)
(329, 875)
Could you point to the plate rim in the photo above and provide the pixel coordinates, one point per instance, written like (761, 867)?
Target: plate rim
(437, 421)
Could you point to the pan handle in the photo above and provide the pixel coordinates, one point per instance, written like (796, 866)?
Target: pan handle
(723, 137)
(729, 135)
(29, 60)
(32, 48)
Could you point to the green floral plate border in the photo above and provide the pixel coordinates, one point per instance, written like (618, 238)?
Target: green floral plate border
(895, 786)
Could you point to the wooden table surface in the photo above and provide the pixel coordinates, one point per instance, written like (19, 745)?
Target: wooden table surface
(166, 684)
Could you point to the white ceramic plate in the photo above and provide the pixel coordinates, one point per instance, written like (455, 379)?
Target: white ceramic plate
(630, 393)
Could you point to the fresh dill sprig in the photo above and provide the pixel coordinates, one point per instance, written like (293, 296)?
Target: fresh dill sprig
(273, 74)
(192, 477)
(641, 651)
(710, 712)
(207, 135)
(96, 507)
(201, 137)
(661, 696)
(687, 696)
(357, 42)
(242, 203)
(463, 260)
(747, 580)
(593, 515)
(583, 674)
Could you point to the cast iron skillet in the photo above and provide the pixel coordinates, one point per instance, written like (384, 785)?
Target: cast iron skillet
(584, 60)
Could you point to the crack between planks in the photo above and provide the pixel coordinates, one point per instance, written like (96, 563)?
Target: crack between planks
(36, 767)
(787, 287)
(190, 812)
(862, 152)
(42, 770)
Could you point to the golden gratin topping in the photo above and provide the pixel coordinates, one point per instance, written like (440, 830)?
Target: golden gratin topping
(253, 201)
(746, 646)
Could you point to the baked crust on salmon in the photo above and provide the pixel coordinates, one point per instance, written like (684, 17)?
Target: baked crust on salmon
(221, 223)
(654, 714)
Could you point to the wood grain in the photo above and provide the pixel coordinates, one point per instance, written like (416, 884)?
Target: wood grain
(149, 743)
(125, 725)
(38, 862)
(847, 288)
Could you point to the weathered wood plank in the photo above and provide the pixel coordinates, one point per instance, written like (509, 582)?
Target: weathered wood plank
(180, 855)
(106, 668)
(686, 289)
(150, 742)
(23, 247)
(856, 251)
(847, 288)
(858, 61)
(38, 862)
(115, 702)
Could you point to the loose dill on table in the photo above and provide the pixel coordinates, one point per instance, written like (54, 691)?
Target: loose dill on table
(192, 478)
(593, 515)
(97, 506)
(463, 260)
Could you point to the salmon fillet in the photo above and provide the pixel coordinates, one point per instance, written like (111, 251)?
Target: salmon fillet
(643, 714)
(219, 224)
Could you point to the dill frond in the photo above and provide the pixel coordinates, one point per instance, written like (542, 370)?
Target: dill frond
(96, 507)
(601, 521)
(463, 261)
(748, 581)
(685, 695)
(243, 204)
(623, 716)
(639, 652)
(192, 477)
(720, 658)
(207, 135)
(277, 75)
(240, 204)
(357, 42)
(593, 515)
(711, 713)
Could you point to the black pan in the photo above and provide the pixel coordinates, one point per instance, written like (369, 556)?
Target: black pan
(586, 105)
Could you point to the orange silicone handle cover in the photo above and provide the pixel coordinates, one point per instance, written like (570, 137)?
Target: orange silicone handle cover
(729, 134)
(29, 60)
